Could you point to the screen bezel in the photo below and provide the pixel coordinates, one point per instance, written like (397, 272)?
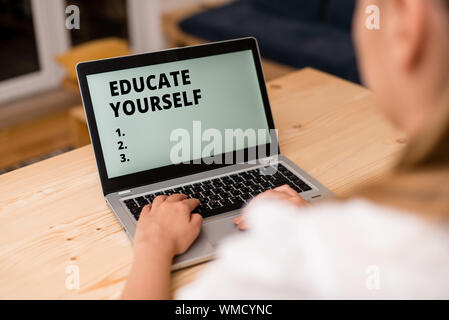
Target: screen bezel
(111, 185)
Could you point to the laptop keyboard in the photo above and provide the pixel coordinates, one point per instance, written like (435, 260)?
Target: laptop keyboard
(227, 193)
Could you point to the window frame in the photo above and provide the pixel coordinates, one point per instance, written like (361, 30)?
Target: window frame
(52, 39)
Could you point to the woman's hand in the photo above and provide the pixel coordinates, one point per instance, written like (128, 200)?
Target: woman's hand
(168, 225)
(283, 193)
(165, 228)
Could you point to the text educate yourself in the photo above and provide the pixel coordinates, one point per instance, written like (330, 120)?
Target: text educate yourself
(154, 103)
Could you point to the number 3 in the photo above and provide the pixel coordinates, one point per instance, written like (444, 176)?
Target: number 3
(122, 158)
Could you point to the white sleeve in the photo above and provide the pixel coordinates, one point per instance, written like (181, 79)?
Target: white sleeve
(335, 250)
(254, 264)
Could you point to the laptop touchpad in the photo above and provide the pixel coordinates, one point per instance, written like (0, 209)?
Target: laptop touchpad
(216, 231)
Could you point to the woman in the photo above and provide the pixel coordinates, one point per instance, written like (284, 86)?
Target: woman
(389, 240)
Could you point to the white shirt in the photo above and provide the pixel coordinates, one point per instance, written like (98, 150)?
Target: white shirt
(348, 250)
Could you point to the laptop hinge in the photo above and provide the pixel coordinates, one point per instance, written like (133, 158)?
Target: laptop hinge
(124, 192)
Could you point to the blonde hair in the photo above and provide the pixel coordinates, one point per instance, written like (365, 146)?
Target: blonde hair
(420, 181)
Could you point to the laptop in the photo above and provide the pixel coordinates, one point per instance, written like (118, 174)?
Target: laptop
(193, 120)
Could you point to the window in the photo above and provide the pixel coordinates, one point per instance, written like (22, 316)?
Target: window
(18, 39)
(32, 34)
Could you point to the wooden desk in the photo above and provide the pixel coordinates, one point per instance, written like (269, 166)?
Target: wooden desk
(52, 214)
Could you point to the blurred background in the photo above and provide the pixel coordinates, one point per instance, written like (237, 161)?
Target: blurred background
(40, 106)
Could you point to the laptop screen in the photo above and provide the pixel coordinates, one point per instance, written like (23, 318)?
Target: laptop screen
(159, 115)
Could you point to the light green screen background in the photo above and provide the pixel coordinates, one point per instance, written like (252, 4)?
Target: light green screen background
(231, 99)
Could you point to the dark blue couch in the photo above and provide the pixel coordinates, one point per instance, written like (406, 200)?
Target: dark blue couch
(297, 33)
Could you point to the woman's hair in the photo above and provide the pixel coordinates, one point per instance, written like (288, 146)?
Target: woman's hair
(420, 181)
